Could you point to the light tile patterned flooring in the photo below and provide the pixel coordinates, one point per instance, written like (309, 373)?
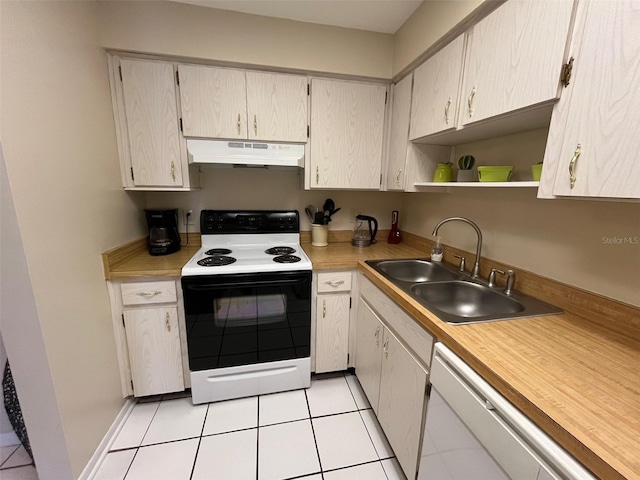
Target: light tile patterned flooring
(16, 464)
(327, 431)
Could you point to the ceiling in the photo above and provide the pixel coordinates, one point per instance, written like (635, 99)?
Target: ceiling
(384, 16)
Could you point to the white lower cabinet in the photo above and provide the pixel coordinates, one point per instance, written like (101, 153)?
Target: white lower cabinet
(393, 378)
(149, 327)
(333, 313)
(154, 350)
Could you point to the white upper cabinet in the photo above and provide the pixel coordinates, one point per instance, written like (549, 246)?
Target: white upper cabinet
(514, 58)
(436, 90)
(398, 134)
(213, 102)
(238, 104)
(593, 137)
(347, 126)
(277, 107)
(152, 129)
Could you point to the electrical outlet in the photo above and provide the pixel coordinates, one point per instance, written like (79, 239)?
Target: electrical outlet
(188, 218)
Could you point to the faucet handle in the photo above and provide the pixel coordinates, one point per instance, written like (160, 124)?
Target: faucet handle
(511, 281)
(492, 276)
(463, 263)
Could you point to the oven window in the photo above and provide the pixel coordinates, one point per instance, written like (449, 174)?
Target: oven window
(247, 323)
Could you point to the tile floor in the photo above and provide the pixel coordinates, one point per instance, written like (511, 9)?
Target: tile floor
(16, 464)
(325, 432)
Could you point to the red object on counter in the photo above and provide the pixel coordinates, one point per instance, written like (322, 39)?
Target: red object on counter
(394, 233)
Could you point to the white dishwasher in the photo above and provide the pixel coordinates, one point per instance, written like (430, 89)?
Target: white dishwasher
(472, 432)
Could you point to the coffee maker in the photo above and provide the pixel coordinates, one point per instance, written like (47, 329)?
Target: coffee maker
(163, 231)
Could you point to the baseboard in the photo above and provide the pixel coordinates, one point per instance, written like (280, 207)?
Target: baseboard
(9, 439)
(98, 456)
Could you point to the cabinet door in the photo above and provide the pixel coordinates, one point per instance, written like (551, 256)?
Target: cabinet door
(369, 332)
(153, 340)
(401, 406)
(152, 122)
(332, 332)
(277, 107)
(436, 88)
(347, 122)
(599, 108)
(399, 134)
(514, 58)
(214, 102)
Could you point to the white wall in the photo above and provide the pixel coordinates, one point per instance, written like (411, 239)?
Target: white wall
(59, 143)
(559, 239)
(226, 188)
(199, 32)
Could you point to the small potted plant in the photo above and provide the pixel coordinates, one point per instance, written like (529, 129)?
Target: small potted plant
(465, 164)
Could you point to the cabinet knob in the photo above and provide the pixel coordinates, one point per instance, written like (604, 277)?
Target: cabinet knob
(166, 321)
(572, 165)
(470, 101)
(239, 124)
(446, 110)
(255, 124)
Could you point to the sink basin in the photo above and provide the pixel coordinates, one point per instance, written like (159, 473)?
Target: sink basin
(466, 300)
(415, 271)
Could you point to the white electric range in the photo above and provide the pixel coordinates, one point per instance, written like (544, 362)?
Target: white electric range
(247, 299)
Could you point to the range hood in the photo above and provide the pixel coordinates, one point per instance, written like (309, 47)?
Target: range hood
(234, 152)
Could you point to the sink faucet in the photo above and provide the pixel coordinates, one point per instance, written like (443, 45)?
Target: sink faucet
(476, 267)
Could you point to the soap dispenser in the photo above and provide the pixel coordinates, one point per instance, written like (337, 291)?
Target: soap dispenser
(436, 252)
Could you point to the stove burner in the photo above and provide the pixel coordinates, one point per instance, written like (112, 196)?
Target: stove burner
(218, 251)
(286, 259)
(280, 250)
(216, 261)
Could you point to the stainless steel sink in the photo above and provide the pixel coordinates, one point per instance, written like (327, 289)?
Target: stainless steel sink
(415, 271)
(466, 299)
(456, 298)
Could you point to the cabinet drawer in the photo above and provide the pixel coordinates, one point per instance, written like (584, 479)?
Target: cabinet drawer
(148, 293)
(334, 282)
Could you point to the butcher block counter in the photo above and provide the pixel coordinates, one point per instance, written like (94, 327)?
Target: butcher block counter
(576, 378)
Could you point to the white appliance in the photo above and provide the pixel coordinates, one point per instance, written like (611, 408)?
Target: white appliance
(247, 299)
(474, 432)
(238, 152)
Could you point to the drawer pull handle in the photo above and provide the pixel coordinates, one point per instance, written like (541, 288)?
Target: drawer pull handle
(167, 322)
(149, 294)
(317, 175)
(255, 124)
(335, 283)
(377, 335)
(572, 166)
(386, 348)
(446, 110)
(324, 308)
(173, 171)
(470, 101)
(398, 176)
(239, 124)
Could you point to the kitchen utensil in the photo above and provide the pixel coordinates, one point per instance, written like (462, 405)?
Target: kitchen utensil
(363, 234)
(309, 211)
(318, 218)
(495, 173)
(328, 204)
(333, 212)
(394, 233)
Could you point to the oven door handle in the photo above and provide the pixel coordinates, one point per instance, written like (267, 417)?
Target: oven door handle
(268, 283)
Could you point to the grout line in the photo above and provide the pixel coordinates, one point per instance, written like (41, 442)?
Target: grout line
(14, 451)
(356, 465)
(168, 441)
(315, 441)
(195, 459)
(130, 463)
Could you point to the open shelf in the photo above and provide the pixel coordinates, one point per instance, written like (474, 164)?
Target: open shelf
(524, 184)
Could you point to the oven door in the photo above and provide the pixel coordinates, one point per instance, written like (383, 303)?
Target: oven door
(245, 319)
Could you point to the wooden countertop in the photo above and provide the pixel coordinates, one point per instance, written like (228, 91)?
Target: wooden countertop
(576, 379)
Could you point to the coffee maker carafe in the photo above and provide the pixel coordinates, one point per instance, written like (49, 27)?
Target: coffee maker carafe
(163, 231)
(363, 235)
